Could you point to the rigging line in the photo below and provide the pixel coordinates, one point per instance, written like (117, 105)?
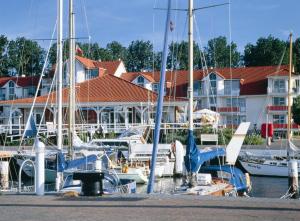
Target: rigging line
(230, 68)
(38, 86)
(46, 104)
(83, 5)
(195, 9)
(205, 70)
(150, 95)
(18, 69)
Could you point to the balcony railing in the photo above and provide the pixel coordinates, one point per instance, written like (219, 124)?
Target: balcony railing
(284, 126)
(277, 108)
(228, 109)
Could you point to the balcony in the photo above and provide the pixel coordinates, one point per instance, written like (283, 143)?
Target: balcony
(228, 109)
(277, 108)
(284, 126)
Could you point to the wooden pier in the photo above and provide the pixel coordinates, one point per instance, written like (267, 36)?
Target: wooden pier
(145, 207)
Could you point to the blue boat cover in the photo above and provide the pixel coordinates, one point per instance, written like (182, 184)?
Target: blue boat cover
(237, 177)
(64, 165)
(194, 158)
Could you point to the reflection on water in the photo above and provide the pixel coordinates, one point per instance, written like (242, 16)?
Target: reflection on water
(272, 187)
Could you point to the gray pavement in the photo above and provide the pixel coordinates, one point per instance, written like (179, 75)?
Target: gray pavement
(145, 207)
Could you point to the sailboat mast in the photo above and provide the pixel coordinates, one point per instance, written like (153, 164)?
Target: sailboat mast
(289, 96)
(292, 164)
(191, 78)
(160, 99)
(71, 78)
(59, 82)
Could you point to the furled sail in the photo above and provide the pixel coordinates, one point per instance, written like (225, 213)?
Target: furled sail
(236, 142)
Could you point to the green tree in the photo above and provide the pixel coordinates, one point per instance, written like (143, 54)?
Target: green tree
(53, 51)
(266, 51)
(178, 56)
(296, 110)
(25, 57)
(116, 50)
(217, 53)
(3, 56)
(297, 55)
(139, 56)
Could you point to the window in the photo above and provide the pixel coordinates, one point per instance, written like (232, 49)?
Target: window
(213, 101)
(279, 119)
(237, 102)
(213, 84)
(232, 87)
(198, 88)
(140, 81)
(296, 87)
(93, 73)
(11, 90)
(2, 93)
(279, 86)
(235, 120)
(278, 101)
(155, 87)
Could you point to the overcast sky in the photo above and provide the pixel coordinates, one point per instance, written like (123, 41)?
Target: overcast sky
(127, 20)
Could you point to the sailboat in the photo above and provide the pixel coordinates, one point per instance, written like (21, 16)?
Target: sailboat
(274, 165)
(193, 181)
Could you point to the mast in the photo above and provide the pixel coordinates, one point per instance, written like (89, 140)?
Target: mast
(289, 97)
(160, 99)
(292, 164)
(59, 81)
(72, 79)
(191, 78)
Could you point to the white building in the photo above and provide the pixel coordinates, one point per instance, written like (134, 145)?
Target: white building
(255, 94)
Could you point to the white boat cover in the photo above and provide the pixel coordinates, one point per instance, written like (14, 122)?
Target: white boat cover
(236, 142)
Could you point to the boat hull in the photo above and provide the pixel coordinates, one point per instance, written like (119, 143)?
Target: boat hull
(266, 169)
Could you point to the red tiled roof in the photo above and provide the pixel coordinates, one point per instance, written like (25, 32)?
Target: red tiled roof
(109, 66)
(253, 79)
(105, 89)
(21, 81)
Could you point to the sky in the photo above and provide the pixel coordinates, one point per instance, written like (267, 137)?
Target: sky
(244, 21)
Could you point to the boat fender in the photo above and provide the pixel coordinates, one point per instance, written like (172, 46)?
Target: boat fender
(248, 181)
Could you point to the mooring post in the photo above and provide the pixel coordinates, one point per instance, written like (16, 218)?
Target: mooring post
(293, 179)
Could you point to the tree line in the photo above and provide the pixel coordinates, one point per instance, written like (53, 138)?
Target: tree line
(26, 57)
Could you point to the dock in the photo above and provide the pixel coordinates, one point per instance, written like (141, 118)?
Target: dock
(145, 207)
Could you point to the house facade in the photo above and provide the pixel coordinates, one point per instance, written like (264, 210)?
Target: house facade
(107, 101)
(255, 94)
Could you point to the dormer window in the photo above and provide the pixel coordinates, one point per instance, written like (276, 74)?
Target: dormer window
(213, 84)
(91, 73)
(140, 81)
(155, 87)
(11, 90)
(279, 86)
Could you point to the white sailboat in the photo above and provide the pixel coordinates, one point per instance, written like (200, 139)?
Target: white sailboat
(274, 165)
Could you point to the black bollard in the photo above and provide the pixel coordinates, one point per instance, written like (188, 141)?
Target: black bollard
(91, 182)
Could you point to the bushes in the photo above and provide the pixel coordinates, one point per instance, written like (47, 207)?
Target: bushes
(224, 136)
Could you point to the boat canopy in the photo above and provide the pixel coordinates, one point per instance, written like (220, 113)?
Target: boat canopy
(69, 164)
(194, 158)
